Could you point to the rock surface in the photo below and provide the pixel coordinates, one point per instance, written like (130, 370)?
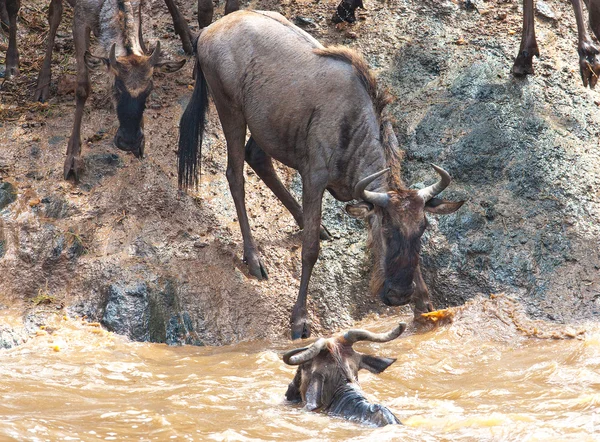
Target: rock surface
(125, 247)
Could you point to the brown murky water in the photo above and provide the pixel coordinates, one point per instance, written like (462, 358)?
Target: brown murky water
(477, 379)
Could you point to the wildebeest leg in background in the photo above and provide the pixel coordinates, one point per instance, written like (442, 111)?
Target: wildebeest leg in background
(420, 296)
(12, 54)
(234, 128)
(231, 6)
(589, 65)
(346, 11)
(312, 197)
(524, 62)
(181, 26)
(594, 15)
(262, 164)
(81, 38)
(205, 13)
(43, 82)
(3, 16)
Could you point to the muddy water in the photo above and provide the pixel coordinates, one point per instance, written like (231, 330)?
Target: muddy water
(480, 378)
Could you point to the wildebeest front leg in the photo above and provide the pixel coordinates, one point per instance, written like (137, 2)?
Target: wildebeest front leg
(43, 82)
(12, 54)
(312, 196)
(235, 133)
(524, 62)
(589, 65)
(420, 296)
(181, 26)
(81, 38)
(262, 164)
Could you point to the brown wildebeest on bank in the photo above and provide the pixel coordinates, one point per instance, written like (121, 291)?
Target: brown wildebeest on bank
(327, 376)
(117, 24)
(589, 63)
(8, 18)
(319, 111)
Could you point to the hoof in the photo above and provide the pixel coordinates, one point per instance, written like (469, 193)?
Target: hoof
(524, 62)
(324, 234)
(73, 168)
(300, 329)
(41, 94)
(256, 267)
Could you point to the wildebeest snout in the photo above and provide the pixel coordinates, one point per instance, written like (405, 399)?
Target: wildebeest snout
(130, 142)
(394, 296)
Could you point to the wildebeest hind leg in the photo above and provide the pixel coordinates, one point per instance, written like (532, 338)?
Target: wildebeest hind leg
(262, 164)
(312, 196)
(234, 128)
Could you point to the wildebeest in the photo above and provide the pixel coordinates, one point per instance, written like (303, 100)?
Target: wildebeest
(8, 17)
(589, 63)
(327, 376)
(319, 111)
(116, 23)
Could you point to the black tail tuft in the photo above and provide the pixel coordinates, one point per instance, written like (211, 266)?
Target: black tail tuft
(191, 130)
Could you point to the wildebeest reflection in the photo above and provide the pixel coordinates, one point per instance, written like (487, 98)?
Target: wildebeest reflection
(327, 376)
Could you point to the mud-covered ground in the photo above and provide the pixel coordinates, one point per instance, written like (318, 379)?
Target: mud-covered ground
(125, 247)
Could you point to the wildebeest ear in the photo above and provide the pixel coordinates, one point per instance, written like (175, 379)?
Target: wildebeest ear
(314, 392)
(442, 207)
(359, 210)
(94, 62)
(168, 67)
(375, 364)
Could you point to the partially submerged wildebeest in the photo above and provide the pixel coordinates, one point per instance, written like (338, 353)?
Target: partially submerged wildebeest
(319, 111)
(8, 17)
(117, 24)
(327, 376)
(589, 63)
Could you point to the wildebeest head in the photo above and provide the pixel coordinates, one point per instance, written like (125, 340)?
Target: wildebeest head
(397, 220)
(326, 379)
(132, 76)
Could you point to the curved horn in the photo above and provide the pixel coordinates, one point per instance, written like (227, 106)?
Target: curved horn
(155, 54)
(430, 191)
(352, 336)
(377, 198)
(300, 355)
(112, 58)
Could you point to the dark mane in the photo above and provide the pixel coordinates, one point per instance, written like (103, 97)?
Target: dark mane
(393, 154)
(380, 97)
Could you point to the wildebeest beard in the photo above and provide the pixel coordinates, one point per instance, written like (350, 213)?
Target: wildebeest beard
(349, 403)
(394, 271)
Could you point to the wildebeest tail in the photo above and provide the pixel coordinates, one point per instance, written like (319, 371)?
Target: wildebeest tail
(191, 130)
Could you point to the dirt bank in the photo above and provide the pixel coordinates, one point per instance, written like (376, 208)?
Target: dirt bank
(125, 243)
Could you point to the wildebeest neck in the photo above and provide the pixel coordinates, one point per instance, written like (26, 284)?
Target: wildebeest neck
(119, 23)
(348, 402)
